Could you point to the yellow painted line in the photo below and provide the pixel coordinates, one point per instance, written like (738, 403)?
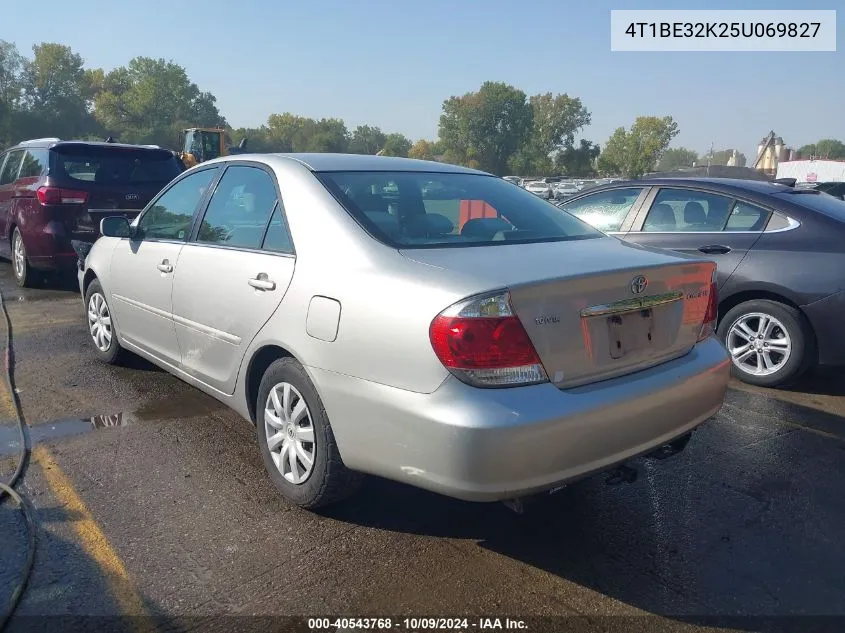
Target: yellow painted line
(94, 542)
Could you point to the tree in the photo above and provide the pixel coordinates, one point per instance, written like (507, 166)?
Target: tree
(484, 129)
(366, 140)
(636, 151)
(151, 100)
(556, 120)
(676, 157)
(293, 133)
(422, 150)
(827, 148)
(11, 89)
(57, 90)
(397, 145)
(578, 161)
(721, 157)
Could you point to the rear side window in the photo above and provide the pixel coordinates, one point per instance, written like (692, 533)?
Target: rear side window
(239, 209)
(687, 210)
(34, 163)
(747, 217)
(116, 166)
(605, 210)
(11, 168)
(278, 237)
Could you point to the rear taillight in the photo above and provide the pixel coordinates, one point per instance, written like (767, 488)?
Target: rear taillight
(55, 195)
(482, 342)
(708, 327)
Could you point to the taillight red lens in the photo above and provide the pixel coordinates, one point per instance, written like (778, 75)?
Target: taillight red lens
(56, 195)
(484, 344)
(471, 343)
(708, 327)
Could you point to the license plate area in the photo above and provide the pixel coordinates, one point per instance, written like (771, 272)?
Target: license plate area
(630, 332)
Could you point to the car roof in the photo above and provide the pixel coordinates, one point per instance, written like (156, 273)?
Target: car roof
(50, 143)
(722, 184)
(360, 162)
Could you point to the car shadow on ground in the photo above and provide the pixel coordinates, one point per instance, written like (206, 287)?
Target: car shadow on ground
(719, 530)
(828, 382)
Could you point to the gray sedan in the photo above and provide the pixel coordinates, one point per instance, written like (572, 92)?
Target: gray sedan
(468, 338)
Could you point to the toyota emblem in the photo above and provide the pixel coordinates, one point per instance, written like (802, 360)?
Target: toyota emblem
(639, 284)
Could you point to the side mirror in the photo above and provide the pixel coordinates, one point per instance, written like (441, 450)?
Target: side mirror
(115, 226)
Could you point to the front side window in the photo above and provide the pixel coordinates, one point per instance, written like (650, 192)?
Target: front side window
(433, 210)
(605, 210)
(239, 209)
(34, 163)
(11, 168)
(169, 218)
(687, 210)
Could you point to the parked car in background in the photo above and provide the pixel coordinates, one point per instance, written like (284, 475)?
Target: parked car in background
(485, 345)
(565, 189)
(780, 252)
(52, 192)
(514, 180)
(540, 188)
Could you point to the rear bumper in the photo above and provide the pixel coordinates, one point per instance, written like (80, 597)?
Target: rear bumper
(491, 444)
(826, 317)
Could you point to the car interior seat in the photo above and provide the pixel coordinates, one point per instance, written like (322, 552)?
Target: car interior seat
(661, 217)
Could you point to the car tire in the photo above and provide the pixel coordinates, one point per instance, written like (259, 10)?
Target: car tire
(101, 327)
(24, 275)
(283, 431)
(788, 342)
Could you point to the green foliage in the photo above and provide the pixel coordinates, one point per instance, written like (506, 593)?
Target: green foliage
(578, 161)
(828, 148)
(676, 157)
(636, 151)
(366, 140)
(396, 145)
(484, 129)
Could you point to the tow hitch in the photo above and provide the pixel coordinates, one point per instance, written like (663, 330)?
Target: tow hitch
(672, 448)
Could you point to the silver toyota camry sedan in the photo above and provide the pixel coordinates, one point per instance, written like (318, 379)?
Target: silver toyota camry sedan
(418, 321)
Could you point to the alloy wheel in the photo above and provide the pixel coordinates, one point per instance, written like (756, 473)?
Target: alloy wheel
(759, 344)
(18, 255)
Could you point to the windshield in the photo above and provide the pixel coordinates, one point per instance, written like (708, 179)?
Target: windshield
(115, 166)
(428, 210)
(824, 203)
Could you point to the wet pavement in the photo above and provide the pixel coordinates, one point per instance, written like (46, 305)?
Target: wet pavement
(746, 522)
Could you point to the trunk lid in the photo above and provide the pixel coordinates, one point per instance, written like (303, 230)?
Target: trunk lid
(584, 304)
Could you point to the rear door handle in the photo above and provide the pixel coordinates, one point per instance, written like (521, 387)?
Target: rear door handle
(165, 267)
(714, 249)
(261, 282)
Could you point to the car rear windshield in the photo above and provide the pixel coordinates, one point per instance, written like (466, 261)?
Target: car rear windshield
(435, 210)
(115, 166)
(824, 203)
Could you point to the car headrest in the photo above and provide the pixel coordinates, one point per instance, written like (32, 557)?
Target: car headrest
(661, 215)
(694, 213)
(484, 228)
(428, 225)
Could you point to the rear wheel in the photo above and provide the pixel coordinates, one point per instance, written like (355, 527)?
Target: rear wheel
(20, 264)
(296, 439)
(770, 343)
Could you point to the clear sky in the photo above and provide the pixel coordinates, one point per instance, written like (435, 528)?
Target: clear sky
(391, 63)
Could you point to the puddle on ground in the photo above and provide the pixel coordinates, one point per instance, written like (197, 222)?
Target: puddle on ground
(10, 435)
(187, 405)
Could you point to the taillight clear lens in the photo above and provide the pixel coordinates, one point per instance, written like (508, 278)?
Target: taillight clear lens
(55, 195)
(708, 327)
(482, 342)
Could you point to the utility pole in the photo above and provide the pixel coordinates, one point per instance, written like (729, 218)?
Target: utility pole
(709, 159)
